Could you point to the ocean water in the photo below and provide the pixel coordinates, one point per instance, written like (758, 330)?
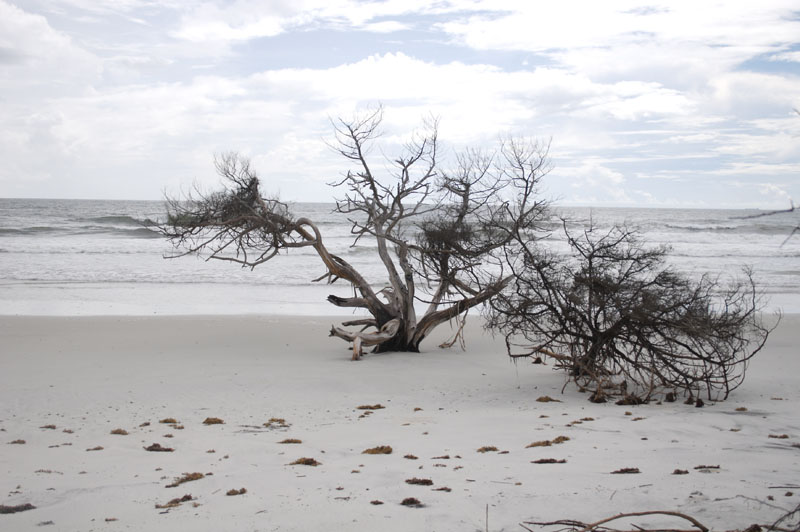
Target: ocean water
(76, 257)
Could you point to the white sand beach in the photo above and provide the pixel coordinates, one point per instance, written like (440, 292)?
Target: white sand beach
(86, 376)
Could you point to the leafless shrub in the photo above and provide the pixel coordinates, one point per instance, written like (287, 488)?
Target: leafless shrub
(621, 322)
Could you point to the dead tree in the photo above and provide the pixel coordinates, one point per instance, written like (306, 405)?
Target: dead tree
(622, 322)
(442, 236)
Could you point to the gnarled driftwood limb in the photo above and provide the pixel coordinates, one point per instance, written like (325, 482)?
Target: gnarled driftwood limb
(361, 339)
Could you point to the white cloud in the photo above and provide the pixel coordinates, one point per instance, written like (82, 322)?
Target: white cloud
(634, 95)
(386, 26)
(30, 47)
(789, 57)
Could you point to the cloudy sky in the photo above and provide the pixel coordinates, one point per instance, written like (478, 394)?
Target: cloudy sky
(647, 103)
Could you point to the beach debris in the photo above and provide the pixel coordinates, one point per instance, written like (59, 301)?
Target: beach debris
(380, 449)
(487, 448)
(111, 519)
(291, 440)
(169, 421)
(17, 442)
(443, 488)
(157, 448)
(552, 461)
(145, 424)
(45, 523)
(306, 462)
(417, 409)
(174, 503)
(412, 502)
(16, 508)
(443, 457)
(213, 421)
(741, 409)
(670, 397)
(68, 431)
(626, 471)
(277, 423)
(48, 471)
(48, 427)
(547, 443)
(630, 400)
(410, 457)
(187, 477)
(598, 397)
(699, 403)
(680, 472)
(231, 493)
(706, 468)
(168, 436)
(546, 399)
(120, 432)
(370, 407)
(376, 502)
(96, 448)
(779, 436)
(639, 418)
(419, 481)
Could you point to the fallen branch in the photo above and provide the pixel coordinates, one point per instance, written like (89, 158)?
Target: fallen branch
(584, 527)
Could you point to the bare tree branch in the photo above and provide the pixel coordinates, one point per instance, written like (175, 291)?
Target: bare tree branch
(443, 236)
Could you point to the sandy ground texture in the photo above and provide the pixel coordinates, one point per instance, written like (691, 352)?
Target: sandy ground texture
(460, 423)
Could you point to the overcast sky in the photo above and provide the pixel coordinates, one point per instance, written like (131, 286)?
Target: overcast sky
(661, 103)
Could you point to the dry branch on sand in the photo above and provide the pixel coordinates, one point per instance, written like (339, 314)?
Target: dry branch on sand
(788, 522)
(443, 236)
(588, 527)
